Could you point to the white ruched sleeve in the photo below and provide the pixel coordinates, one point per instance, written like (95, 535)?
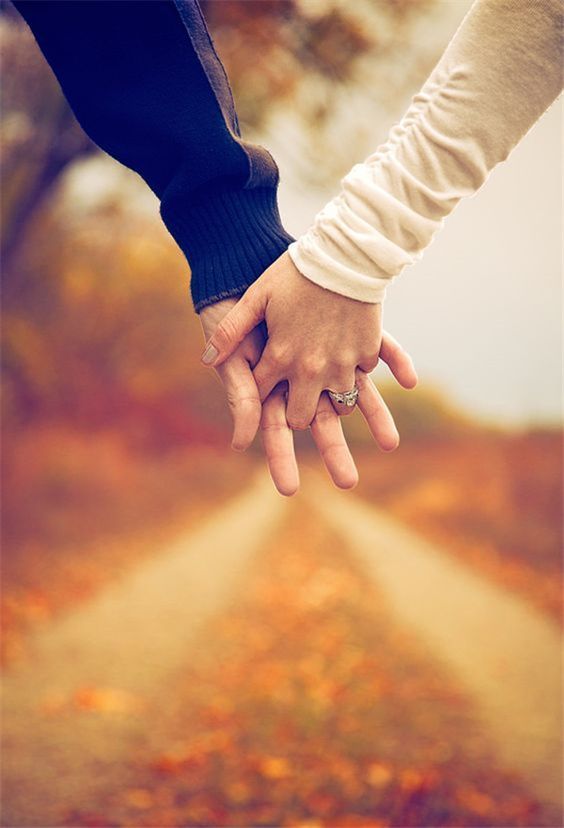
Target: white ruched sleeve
(500, 72)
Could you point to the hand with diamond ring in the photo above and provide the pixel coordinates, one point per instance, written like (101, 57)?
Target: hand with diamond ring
(259, 387)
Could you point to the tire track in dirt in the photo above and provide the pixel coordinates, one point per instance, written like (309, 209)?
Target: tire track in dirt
(127, 641)
(503, 651)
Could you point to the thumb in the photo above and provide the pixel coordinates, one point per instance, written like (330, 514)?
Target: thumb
(235, 326)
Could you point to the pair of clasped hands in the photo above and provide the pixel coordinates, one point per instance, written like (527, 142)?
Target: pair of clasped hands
(317, 340)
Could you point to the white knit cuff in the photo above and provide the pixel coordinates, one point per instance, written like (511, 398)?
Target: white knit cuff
(319, 267)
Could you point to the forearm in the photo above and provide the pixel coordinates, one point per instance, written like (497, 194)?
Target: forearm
(499, 74)
(144, 81)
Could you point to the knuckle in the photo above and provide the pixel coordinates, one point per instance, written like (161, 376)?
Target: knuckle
(226, 331)
(342, 379)
(237, 401)
(344, 360)
(280, 355)
(273, 426)
(307, 371)
(311, 366)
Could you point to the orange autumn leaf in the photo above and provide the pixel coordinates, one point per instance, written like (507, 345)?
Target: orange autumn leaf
(167, 765)
(379, 775)
(238, 792)
(274, 767)
(106, 700)
(476, 801)
(139, 798)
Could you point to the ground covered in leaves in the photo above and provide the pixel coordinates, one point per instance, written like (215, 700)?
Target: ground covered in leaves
(305, 706)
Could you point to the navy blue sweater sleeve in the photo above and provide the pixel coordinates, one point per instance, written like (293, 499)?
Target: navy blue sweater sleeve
(146, 84)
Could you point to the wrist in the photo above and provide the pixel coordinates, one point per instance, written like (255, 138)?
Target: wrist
(229, 239)
(211, 315)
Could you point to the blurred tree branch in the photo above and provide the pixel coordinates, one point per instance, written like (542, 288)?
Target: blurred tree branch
(39, 139)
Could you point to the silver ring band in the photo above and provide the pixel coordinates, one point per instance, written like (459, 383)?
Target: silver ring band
(348, 398)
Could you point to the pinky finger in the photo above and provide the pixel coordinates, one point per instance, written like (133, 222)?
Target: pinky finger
(377, 414)
(398, 361)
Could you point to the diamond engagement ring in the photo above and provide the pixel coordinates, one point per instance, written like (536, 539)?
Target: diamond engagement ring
(348, 398)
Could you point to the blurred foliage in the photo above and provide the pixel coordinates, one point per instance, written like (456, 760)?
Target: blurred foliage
(96, 330)
(492, 499)
(423, 413)
(301, 52)
(286, 39)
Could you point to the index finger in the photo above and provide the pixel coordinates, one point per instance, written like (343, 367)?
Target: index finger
(243, 399)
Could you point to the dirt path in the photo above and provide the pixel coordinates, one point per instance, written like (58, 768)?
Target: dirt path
(119, 654)
(115, 654)
(505, 653)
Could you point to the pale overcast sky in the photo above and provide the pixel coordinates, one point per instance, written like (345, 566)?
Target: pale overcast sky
(482, 312)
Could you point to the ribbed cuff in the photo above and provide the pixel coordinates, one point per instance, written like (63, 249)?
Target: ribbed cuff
(229, 239)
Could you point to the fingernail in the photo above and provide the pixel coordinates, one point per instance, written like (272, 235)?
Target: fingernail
(210, 354)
